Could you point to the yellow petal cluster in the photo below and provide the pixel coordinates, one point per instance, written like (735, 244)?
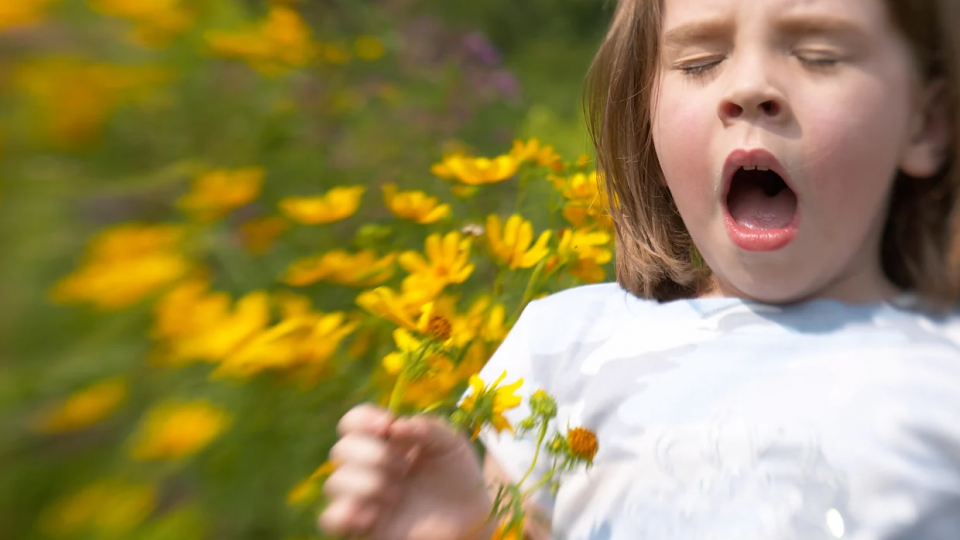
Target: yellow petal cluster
(586, 201)
(534, 151)
(404, 307)
(75, 98)
(302, 341)
(585, 250)
(414, 205)
(193, 323)
(109, 507)
(175, 430)
(276, 44)
(337, 204)
(156, 21)
(84, 407)
(475, 171)
(217, 192)
(124, 264)
(511, 242)
(447, 260)
(361, 269)
(488, 403)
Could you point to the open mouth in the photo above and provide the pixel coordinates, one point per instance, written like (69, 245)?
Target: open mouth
(760, 200)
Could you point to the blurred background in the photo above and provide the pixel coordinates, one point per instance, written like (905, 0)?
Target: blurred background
(198, 202)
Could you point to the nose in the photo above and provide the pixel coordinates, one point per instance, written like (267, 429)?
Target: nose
(752, 96)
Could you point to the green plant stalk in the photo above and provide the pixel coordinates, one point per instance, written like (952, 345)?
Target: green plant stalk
(531, 287)
(536, 453)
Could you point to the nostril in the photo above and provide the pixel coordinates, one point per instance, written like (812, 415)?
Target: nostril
(770, 107)
(734, 110)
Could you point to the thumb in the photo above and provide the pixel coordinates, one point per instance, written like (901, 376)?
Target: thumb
(429, 433)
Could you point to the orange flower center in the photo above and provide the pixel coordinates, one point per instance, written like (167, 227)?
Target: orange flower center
(583, 443)
(439, 328)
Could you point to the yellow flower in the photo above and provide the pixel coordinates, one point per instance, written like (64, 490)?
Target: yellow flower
(84, 407)
(217, 192)
(337, 204)
(22, 13)
(198, 325)
(508, 531)
(535, 152)
(476, 171)
(156, 20)
(109, 506)
(447, 260)
(308, 339)
(511, 243)
(75, 98)
(368, 48)
(586, 200)
(174, 430)
(276, 44)
(584, 244)
(123, 265)
(362, 269)
(260, 234)
(414, 205)
(403, 307)
(488, 403)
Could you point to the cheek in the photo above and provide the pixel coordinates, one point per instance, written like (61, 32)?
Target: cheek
(682, 141)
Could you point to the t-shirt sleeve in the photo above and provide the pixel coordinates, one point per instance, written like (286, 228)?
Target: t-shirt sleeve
(515, 453)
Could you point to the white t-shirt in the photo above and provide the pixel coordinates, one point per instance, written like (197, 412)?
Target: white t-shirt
(731, 420)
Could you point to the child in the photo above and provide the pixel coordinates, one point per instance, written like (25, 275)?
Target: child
(794, 384)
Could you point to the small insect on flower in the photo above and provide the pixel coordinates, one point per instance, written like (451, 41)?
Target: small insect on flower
(582, 443)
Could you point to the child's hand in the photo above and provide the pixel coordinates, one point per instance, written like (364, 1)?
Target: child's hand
(404, 479)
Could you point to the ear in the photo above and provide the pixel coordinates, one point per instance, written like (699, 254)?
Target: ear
(929, 135)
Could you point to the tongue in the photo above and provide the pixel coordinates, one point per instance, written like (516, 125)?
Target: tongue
(752, 208)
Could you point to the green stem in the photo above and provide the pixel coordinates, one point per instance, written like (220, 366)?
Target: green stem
(536, 453)
(531, 287)
(498, 283)
(397, 393)
(546, 478)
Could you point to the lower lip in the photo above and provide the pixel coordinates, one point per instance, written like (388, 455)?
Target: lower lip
(760, 240)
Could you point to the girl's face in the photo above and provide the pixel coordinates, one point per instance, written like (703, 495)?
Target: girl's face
(780, 126)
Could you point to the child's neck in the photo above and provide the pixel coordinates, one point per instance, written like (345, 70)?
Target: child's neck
(857, 289)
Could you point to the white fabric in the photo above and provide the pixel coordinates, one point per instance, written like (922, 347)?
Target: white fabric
(730, 420)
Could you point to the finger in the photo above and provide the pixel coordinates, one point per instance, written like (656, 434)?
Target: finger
(353, 482)
(370, 452)
(345, 517)
(425, 432)
(366, 418)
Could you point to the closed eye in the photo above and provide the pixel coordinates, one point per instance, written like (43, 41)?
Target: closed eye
(699, 68)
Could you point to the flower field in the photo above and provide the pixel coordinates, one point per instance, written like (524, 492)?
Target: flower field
(227, 222)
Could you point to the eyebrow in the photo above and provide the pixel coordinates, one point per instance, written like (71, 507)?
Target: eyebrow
(710, 30)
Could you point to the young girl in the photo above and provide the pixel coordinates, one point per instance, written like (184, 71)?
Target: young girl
(785, 378)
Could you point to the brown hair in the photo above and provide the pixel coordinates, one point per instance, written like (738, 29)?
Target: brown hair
(656, 257)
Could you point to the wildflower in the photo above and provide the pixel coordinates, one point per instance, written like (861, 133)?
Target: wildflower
(259, 234)
(84, 407)
(511, 243)
(337, 204)
(217, 192)
(299, 340)
(156, 21)
(543, 405)
(447, 260)
(583, 244)
(368, 48)
(487, 404)
(124, 264)
(586, 200)
(477, 171)
(176, 430)
(75, 98)
(109, 506)
(582, 443)
(414, 205)
(435, 322)
(509, 530)
(362, 269)
(402, 307)
(533, 151)
(280, 42)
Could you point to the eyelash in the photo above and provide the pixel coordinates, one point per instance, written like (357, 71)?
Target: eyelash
(702, 69)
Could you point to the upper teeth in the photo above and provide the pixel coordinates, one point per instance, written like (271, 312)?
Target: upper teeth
(755, 167)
